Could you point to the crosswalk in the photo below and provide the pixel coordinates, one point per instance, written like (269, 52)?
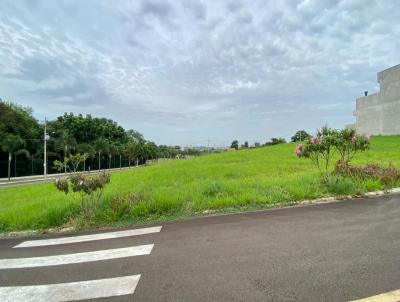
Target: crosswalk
(77, 290)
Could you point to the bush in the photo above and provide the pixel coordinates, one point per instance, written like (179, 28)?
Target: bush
(87, 186)
(321, 148)
(386, 175)
(348, 144)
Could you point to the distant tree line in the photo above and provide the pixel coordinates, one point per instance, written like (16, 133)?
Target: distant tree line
(105, 143)
(300, 135)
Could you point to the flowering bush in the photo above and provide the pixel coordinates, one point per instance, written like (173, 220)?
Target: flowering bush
(321, 148)
(349, 143)
(85, 185)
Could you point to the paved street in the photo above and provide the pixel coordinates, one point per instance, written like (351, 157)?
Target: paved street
(339, 251)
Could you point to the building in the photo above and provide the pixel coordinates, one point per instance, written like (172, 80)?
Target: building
(379, 113)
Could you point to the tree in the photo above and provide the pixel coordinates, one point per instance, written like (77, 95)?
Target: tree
(77, 159)
(132, 151)
(18, 120)
(64, 142)
(300, 135)
(88, 149)
(235, 145)
(135, 135)
(246, 144)
(11, 143)
(112, 151)
(101, 145)
(276, 141)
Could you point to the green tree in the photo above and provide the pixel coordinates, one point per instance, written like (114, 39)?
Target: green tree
(101, 145)
(275, 141)
(300, 135)
(18, 120)
(65, 142)
(12, 144)
(132, 151)
(88, 149)
(235, 145)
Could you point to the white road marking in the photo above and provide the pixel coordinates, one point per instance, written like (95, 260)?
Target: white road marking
(84, 238)
(76, 258)
(71, 291)
(393, 296)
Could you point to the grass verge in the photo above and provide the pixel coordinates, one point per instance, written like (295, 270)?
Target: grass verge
(234, 181)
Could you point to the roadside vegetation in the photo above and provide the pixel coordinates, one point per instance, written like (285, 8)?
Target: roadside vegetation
(102, 142)
(232, 181)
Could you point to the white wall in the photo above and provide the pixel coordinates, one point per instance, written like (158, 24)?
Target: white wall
(379, 113)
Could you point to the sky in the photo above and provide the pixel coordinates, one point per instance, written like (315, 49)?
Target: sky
(184, 72)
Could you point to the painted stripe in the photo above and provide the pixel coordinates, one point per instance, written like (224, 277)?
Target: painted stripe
(71, 291)
(393, 296)
(76, 258)
(84, 238)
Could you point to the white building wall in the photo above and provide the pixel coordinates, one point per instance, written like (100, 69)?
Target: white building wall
(379, 113)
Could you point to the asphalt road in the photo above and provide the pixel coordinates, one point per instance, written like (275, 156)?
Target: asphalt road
(338, 251)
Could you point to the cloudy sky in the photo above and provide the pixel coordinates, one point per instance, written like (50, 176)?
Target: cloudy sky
(182, 72)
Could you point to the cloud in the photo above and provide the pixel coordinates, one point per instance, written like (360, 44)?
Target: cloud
(176, 70)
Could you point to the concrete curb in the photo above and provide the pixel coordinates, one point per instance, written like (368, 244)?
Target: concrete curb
(209, 213)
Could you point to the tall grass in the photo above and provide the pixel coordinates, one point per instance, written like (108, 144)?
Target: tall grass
(245, 179)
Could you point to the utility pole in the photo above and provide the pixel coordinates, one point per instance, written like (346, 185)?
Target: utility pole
(45, 149)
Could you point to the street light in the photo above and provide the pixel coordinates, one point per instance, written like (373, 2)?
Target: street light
(46, 137)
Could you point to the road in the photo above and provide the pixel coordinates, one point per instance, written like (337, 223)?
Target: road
(339, 251)
(24, 180)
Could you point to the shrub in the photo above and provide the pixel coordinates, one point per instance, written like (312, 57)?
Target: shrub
(87, 186)
(348, 144)
(386, 175)
(321, 148)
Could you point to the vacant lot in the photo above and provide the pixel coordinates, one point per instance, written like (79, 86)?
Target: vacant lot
(246, 179)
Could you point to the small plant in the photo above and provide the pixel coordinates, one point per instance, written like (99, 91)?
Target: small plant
(90, 187)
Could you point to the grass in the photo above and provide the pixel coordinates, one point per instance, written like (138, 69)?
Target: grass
(232, 181)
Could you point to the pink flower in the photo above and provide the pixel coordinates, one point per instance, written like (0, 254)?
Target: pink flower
(366, 138)
(297, 150)
(354, 139)
(315, 140)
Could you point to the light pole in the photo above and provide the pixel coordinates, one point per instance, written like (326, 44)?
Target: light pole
(45, 138)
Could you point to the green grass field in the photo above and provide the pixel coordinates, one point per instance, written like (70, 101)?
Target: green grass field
(232, 181)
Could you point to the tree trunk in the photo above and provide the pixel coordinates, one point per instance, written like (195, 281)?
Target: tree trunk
(15, 165)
